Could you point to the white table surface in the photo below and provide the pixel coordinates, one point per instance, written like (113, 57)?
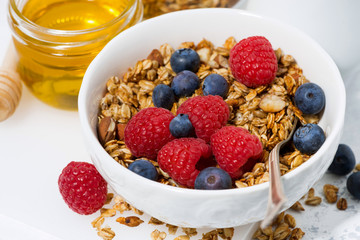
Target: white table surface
(38, 141)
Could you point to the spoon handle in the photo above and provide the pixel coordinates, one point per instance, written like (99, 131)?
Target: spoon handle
(10, 84)
(277, 196)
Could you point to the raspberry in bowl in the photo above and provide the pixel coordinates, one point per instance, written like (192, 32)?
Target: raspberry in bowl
(207, 31)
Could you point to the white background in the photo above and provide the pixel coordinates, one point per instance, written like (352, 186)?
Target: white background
(38, 141)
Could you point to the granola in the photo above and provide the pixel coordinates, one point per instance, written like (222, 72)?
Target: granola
(132, 221)
(282, 228)
(341, 204)
(157, 235)
(266, 111)
(330, 192)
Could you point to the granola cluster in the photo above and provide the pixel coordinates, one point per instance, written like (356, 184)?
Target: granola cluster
(266, 111)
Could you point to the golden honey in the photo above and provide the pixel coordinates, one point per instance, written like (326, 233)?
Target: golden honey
(56, 41)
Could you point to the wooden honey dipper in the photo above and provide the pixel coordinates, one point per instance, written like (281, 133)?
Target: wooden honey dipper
(10, 85)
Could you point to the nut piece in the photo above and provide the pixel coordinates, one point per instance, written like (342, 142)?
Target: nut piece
(311, 193)
(98, 222)
(190, 231)
(204, 54)
(109, 197)
(120, 131)
(332, 187)
(171, 228)
(357, 167)
(212, 235)
(106, 130)
(282, 231)
(106, 233)
(257, 234)
(267, 231)
(330, 192)
(222, 61)
(313, 201)
(121, 205)
(296, 234)
(341, 204)
(131, 221)
(156, 55)
(106, 212)
(290, 220)
(272, 103)
(279, 219)
(157, 235)
(226, 233)
(155, 221)
(297, 206)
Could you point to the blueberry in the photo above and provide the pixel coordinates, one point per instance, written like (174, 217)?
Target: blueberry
(185, 59)
(185, 83)
(309, 138)
(215, 84)
(310, 98)
(144, 168)
(344, 160)
(353, 184)
(181, 126)
(163, 96)
(212, 178)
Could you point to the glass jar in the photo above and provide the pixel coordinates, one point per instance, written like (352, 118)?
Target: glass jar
(57, 39)
(154, 8)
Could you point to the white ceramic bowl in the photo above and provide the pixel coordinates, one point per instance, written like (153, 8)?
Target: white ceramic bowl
(201, 208)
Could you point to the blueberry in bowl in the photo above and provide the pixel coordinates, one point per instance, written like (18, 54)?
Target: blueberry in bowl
(185, 83)
(185, 59)
(163, 96)
(215, 84)
(213, 178)
(309, 138)
(310, 98)
(181, 126)
(144, 168)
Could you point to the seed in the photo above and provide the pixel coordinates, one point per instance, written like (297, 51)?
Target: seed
(131, 221)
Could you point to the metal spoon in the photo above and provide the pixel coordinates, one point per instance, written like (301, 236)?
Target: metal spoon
(277, 197)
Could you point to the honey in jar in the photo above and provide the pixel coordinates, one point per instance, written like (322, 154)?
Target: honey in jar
(57, 39)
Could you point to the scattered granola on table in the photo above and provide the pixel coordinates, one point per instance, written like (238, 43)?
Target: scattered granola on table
(283, 227)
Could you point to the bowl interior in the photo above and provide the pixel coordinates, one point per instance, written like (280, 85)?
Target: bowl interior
(215, 25)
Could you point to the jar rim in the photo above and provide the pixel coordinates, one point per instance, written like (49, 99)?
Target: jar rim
(13, 6)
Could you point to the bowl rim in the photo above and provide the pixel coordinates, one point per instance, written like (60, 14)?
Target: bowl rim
(93, 140)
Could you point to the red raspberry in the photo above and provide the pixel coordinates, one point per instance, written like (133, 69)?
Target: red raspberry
(184, 158)
(82, 187)
(235, 149)
(253, 61)
(206, 113)
(148, 131)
